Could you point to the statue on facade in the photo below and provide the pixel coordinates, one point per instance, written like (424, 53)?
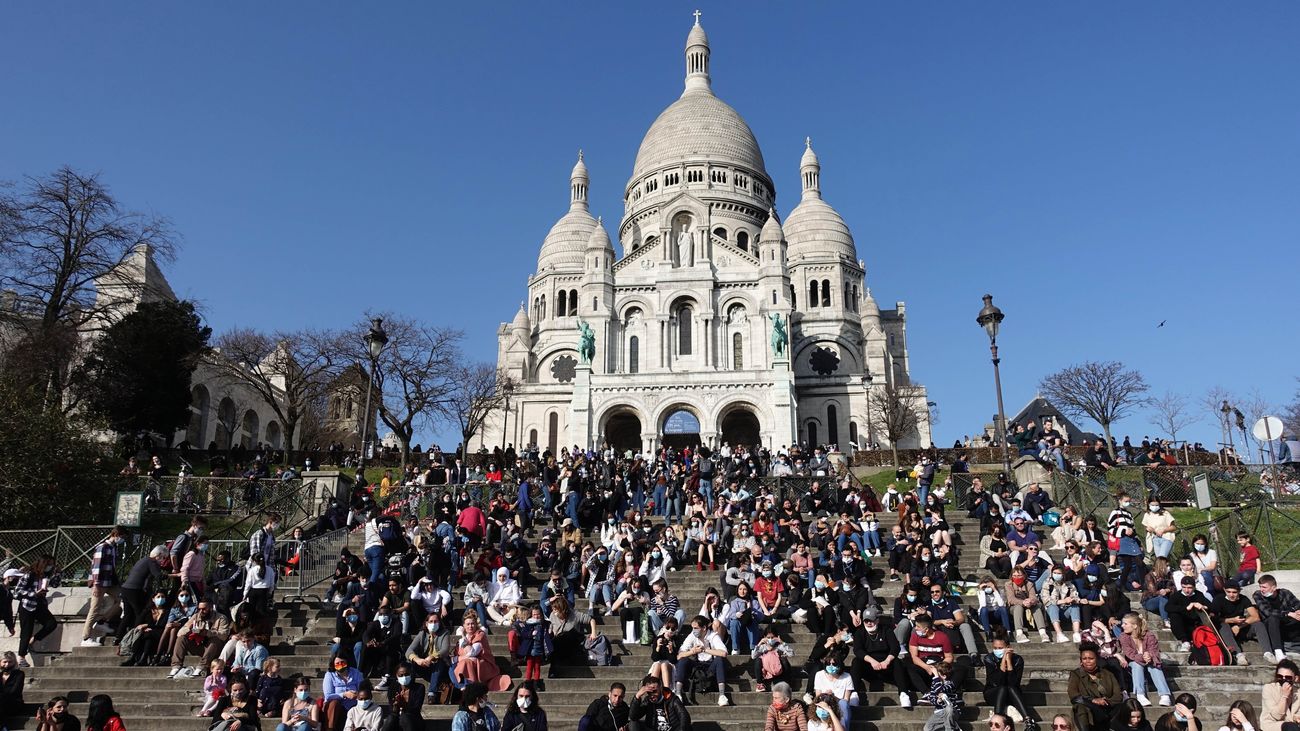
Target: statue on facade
(586, 342)
(684, 245)
(780, 338)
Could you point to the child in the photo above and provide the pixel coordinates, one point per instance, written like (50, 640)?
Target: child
(270, 689)
(1250, 563)
(946, 699)
(214, 687)
(534, 646)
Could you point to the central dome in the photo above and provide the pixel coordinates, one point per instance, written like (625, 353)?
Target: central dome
(697, 127)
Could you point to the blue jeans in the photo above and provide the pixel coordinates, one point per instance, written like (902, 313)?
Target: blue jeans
(657, 622)
(676, 508)
(1244, 578)
(856, 538)
(750, 633)
(661, 507)
(638, 499)
(1161, 546)
(872, 539)
(484, 620)
(922, 492)
(1156, 605)
(356, 652)
(1140, 678)
(1071, 612)
(603, 590)
(304, 726)
(706, 490)
(998, 613)
(375, 558)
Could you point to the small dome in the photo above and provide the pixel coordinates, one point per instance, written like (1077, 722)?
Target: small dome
(599, 239)
(809, 157)
(771, 232)
(870, 310)
(521, 320)
(566, 242)
(697, 37)
(697, 127)
(813, 227)
(579, 169)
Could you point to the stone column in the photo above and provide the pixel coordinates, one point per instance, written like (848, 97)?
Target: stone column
(580, 407)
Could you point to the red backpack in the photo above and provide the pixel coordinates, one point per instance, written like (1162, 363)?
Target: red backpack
(1207, 649)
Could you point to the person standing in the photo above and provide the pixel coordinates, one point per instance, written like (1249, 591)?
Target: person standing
(105, 589)
(34, 619)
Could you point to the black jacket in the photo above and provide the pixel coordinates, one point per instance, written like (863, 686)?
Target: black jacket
(678, 718)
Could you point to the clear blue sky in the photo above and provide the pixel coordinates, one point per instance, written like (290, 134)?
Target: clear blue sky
(1098, 167)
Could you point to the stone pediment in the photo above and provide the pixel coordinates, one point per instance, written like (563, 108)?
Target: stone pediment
(726, 253)
(638, 254)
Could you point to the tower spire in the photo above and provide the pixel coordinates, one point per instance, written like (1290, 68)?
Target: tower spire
(810, 170)
(697, 59)
(578, 185)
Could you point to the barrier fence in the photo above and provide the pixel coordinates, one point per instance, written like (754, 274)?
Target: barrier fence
(73, 548)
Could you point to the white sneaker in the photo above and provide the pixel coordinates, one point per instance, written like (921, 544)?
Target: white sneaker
(735, 652)
(1268, 658)
(1184, 647)
(1144, 700)
(1077, 639)
(1241, 659)
(1042, 635)
(904, 700)
(91, 642)
(1014, 714)
(195, 672)
(1164, 701)
(1061, 638)
(1021, 636)
(176, 671)
(722, 700)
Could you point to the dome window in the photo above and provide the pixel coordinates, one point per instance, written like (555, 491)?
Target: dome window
(742, 240)
(720, 232)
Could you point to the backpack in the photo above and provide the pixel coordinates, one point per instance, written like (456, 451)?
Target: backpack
(391, 534)
(598, 651)
(1207, 649)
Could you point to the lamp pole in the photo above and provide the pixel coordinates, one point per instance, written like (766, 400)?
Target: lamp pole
(376, 339)
(990, 318)
(505, 415)
(867, 378)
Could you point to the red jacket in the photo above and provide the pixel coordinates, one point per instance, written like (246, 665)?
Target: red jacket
(473, 520)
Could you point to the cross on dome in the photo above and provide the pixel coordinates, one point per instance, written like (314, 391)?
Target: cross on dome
(697, 17)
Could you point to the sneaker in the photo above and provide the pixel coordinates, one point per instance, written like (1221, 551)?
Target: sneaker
(104, 627)
(92, 642)
(1144, 700)
(195, 671)
(1015, 715)
(735, 652)
(176, 671)
(1021, 636)
(1268, 658)
(902, 653)
(904, 700)
(1184, 647)
(1241, 659)
(1042, 635)
(722, 700)
(382, 684)
(1164, 701)
(895, 577)
(761, 687)
(22, 662)
(1061, 638)
(1077, 639)
(808, 699)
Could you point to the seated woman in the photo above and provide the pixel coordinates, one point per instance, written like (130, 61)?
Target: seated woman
(1070, 524)
(474, 662)
(504, 595)
(663, 652)
(1004, 671)
(771, 658)
(237, 709)
(738, 618)
(141, 647)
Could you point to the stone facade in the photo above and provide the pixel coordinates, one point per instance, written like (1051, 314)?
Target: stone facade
(684, 317)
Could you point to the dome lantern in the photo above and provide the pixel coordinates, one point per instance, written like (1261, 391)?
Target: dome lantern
(697, 59)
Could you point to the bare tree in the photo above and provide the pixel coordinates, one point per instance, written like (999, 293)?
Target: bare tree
(1105, 392)
(1254, 407)
(1173, 413)
(480, 390)
(415, 373)
(896, 412)
(66, 251)
(289, 371)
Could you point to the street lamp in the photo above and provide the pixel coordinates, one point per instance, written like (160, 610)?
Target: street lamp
(990, 318)
(509, 388)
(376, 339)
(867, 378)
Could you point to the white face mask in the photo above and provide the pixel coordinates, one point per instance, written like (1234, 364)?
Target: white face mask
(524, 701)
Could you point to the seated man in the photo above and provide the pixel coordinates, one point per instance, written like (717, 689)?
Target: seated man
(928, 648)
(381, 647)
(1279, 612)
(205, 632)
(949, 617)
(875, 655)
(1019, 538)
(704, 647)
(1236, 618)
(1186, 609)
(1037, 501)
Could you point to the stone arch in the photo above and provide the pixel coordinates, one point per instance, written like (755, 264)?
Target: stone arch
(226, 423)
(621, 425)
(200, 403)
(742, 240)
(251, 429)
(273, 434)
(739, 422)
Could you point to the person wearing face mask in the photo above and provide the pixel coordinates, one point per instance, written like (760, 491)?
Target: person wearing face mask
(140, 644)
(225, 581)
(769, 595)
(1023, 598)
(907, 607)
(1206, 561)
(405, 702)
(104, 587)
(853, 597)
(1004, 670)
(992, 606)
(237, 710)
(949, 617)
(428, 656)
(1279, 612)
(1182, 717)
(702, 647)
(366, 715)
(300, 712)
(1122, 538)
(381, 647)
(1160, 529)
(738, 616)
(54, 716)
(525, 712)
(204, 632)
(1061, 597)
(191, 568)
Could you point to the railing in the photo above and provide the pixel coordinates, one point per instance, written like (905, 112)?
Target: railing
(212, 495)
(73, 548)
(993, 455)
(1229, 485)
(295, 500)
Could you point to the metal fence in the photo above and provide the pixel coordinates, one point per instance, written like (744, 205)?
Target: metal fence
(73, 548)
(1229, 485)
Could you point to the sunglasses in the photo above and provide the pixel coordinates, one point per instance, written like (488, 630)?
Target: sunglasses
(1061, 725)
(1284, 678)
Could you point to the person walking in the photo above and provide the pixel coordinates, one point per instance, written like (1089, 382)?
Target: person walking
(105, 588)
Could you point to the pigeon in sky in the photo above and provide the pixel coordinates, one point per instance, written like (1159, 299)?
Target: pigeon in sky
(1162, 324)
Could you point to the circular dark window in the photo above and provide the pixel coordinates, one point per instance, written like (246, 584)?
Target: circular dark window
(563, 368)
(824, 361)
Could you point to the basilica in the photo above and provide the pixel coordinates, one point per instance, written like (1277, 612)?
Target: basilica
(710, 321)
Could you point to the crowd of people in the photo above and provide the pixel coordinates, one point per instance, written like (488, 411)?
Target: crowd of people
(455, 586)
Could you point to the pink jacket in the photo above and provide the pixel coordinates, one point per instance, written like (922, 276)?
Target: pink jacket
(1134, 653)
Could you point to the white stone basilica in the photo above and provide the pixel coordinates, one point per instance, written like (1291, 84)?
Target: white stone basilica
(683, 317)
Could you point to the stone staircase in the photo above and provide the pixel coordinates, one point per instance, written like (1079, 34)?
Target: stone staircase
(148, 700)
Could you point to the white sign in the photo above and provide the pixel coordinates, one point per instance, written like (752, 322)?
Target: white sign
(1267, 429)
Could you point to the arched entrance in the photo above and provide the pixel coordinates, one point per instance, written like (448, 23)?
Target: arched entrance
(739, 426)
(623, 431)
(681, 428)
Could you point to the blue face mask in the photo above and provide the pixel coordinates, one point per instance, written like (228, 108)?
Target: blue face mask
(832, 669)
(999, 652)
(820, 584)
(302, 695)
(364, 703)
(823, 714)
(1180, 717)
(403, 680)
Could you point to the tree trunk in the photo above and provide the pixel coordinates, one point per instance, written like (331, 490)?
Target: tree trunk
(1110, 442)
(893, 448)
(406, 451)
(289, 430)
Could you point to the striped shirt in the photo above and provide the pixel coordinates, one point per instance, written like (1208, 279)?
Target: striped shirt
(1120, 523)
(103, 566)
(665, 608)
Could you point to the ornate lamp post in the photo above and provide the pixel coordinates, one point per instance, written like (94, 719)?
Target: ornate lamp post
(509, 388)
(990, 318)
(867, 378)
(376, 339)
